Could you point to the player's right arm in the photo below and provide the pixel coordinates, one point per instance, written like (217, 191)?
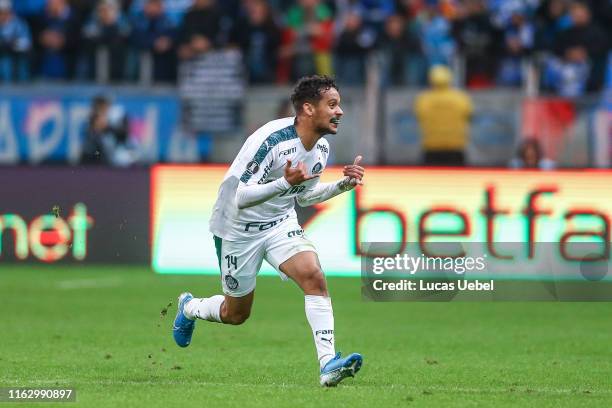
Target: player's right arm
(250, 193)
(252, 188)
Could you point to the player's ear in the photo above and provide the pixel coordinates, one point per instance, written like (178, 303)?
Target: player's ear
(308, 108)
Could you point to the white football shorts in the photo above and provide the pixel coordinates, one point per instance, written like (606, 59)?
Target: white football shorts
(240, 261)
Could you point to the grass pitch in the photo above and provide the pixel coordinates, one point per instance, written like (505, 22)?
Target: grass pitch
(102, 331)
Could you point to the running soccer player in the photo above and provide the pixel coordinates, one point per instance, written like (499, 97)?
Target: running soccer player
(254, 219)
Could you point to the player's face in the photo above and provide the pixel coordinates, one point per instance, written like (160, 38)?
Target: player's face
(328, 112)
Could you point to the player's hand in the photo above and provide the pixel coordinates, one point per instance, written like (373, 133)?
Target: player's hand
(297, 175)
(354, 172)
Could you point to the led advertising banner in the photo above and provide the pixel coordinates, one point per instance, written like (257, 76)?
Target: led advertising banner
(74, 214)
(507, 214)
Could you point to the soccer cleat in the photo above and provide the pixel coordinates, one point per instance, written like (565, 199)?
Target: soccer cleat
(182, 330)
(337, 369)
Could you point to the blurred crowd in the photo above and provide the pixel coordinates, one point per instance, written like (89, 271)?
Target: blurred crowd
(282, 40)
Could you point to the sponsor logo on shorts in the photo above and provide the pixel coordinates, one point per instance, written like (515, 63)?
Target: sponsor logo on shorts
(231, 282)
(262, 226)
(324, 332)
(287, 152)
(295, 233)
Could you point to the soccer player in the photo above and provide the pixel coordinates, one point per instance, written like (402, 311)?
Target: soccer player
(254, 219)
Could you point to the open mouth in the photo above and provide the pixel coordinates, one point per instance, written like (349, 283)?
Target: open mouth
(335, 121)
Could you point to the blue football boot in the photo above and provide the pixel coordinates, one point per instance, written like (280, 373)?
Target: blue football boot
(183, 327)
(337, 369)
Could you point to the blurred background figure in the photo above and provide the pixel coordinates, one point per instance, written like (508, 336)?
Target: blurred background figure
(586, 34)
(154, 32)
(200, 30)
(58, 41)
(15, 45)
(519, 41)
(531, 156)
(107, 31)
(444, 114)
(351, 49)
(404, 63)
(307, 40)
(568, 75)
(107, 135)
(374, 15)
(479, 42)
(435, 32)
(551, 19)
(258, 36)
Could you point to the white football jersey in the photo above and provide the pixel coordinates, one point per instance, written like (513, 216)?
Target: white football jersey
(262, 159)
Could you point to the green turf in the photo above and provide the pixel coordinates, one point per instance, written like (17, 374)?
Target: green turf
(100, 330)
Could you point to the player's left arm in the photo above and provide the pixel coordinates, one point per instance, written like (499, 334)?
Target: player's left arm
(353, 176)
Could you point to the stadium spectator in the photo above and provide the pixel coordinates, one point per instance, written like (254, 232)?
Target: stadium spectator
(586, 34)
(201, 29)
(478, 40)
(307, 40)
(568, 76)
(410, 9)
(174, 10)
(58, 40)
(15, 44)
(444, 116)
(435, 33)
(404, 61)
(552, 18)
(154, 32)
(502, 10)
(30, 11)
(107, 31)
(28, 7)
(258, 36)
(282, 6)
(531, 156)
(494, 36)
(352, 46)
(374, 14)
(106, 135)
(519, 39)
(602, 10)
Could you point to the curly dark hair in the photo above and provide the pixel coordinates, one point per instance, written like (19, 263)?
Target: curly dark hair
(309, 89)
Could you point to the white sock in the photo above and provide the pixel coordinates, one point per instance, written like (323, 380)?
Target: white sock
(205, 308)
(320, 315)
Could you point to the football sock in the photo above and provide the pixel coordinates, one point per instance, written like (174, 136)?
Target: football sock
(205, 308)
(320, 315)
